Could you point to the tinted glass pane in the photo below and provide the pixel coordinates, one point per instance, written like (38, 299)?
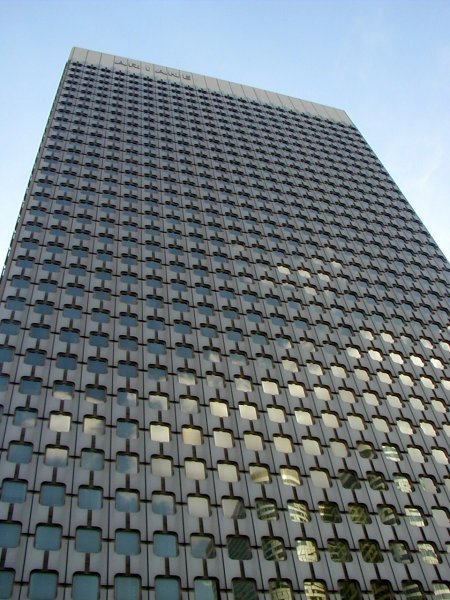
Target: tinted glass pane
(244, 589)
(202, 546)
(206, 589)
(24, 417)
(48, 537)
(43, 585)
(167, 588)
(165, 544)
(127, 542)
(90, 498)
(92, 460)
(6, 583)
(52, 494)
(20, 453)
(9, 534)
(88, 539)
(239, 547)
(163, 504)
(14, 491)
(85, 586)
(30, 386)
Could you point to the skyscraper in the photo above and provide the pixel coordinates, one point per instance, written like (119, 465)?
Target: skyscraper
(223, 341)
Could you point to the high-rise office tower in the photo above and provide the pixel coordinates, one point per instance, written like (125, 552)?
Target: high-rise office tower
(223, 342)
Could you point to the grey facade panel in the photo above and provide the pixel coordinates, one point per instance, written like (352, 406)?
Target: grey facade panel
(224, 354)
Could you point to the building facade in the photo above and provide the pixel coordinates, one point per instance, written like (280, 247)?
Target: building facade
(223, 341)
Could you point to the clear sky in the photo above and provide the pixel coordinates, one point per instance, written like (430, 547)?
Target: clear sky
(386, 62)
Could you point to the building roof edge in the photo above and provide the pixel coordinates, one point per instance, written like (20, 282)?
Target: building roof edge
(205, 82)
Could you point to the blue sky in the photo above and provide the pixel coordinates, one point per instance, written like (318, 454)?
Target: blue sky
(386, 62)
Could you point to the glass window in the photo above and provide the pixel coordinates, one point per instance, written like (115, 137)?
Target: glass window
(290, 476)
(192, 436)
(25, 417)
(198, 506)
(48, 537)
(72, 312)
(127, 462)
(165, 544)
(400, 552)
(35, 358)
(273, 548)
(63, 390)
(9, 534)
(6, 583)
(349, 589)
(128, 343)
(6, 353)
(92, 460)
(167, 588)
(298, 511)
(99, 340)
(127, 500)
(128, 587)
(127, 397)
(307, 550)
(163, 504)
(9, 327)
(370, 551)
(127, 369)
(158, 401)
(329, 512)
(88, 539)
(66, 361)
(195, 469)
(161, 466)
(228, 471)
(15, 303)
(90, 497)
(60, 422)
(266, 509)
(127, 429)
(315, 590)
(441, 589)
(14, 491)
(85, 586)
(56, 456)
(248, 411)
(429, 553)
(43, 585)
(94, 426)
(160, 432)
(415, 516)
(20, 452)
(382, 590)
(239, 547)
(280, 589)
(244, 588)
(97, 365)
(206, 589)
(127, 542)
(349, 480)
(202, 546)
(260, 473)
(52, 494)
(157, 373)
(339, 550)
(31, 386)
(95, 394)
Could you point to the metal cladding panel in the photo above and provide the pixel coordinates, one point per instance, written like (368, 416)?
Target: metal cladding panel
(223, 354)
